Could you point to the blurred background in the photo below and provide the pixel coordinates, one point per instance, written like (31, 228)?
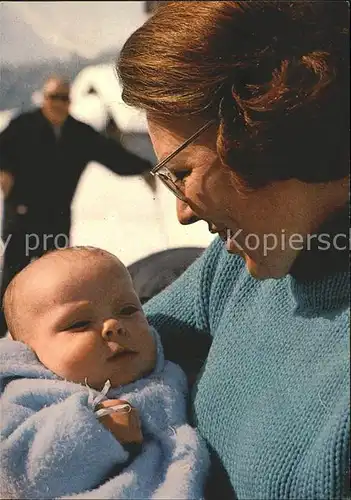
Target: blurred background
(81, 40)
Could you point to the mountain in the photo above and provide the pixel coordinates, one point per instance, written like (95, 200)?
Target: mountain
(41, 38)
(35, 31)
(19, 83)
(19, 42)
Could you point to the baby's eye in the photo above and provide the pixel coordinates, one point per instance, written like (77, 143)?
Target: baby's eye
(79, 325)
(128, 310)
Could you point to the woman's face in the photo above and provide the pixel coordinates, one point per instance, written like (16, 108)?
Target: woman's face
(261, 221)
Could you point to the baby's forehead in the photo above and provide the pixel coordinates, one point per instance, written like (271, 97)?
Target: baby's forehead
(78, 259)
(64, 272)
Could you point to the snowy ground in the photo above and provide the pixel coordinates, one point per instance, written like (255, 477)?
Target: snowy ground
(123, 216)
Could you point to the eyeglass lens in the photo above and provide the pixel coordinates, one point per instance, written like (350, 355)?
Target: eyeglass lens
(169, 180)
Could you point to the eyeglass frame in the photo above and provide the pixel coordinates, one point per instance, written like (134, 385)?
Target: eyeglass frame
(168, 174)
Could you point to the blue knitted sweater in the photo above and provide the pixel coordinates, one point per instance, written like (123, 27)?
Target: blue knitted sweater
(272, 399)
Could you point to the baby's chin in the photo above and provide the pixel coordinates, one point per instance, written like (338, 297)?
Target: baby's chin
(134, 377)
(117, 381)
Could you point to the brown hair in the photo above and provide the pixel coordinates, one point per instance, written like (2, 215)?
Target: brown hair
(276, 74)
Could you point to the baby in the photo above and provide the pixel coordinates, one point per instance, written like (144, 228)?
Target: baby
(78, 329)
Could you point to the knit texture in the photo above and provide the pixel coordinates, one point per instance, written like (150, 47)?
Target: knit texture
(53, 446)
(273, 396)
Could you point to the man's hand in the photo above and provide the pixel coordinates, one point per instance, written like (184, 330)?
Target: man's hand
(150, 180)
(124, 425)
(6, 182)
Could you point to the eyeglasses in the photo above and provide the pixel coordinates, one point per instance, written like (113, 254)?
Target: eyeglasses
(58, 97)
(168, 178)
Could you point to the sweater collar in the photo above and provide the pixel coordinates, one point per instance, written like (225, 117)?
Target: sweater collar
(320, 276)
(328, 294)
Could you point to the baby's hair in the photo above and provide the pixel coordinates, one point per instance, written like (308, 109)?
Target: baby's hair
(9, 299)
(79, 250)
(82, 249)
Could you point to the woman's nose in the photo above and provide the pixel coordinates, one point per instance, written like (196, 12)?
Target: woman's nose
(185, 213)
(112, 330)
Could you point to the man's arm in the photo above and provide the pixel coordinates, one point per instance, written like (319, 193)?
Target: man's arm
(10, 139)
(9, 142)
(114, 156)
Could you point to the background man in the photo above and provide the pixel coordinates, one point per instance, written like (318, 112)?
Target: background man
(43, 154)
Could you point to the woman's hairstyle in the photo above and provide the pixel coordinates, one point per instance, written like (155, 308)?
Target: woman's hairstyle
(276, 74)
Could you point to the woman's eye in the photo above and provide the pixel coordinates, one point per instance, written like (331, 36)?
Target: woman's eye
(128, 310)
(181, 174)
(79, 325)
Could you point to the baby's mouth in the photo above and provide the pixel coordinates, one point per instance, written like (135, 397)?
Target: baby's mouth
(121, 352)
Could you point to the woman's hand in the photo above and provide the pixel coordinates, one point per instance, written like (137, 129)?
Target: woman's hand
(124, 424)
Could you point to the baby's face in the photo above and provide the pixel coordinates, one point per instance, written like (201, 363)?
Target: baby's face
(85, 320)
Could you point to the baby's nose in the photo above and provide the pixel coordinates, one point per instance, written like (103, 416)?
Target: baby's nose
(112, 329)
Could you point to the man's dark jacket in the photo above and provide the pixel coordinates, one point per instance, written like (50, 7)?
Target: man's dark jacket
(47, 170)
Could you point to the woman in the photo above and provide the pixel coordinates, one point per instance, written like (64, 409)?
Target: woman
(247, 106)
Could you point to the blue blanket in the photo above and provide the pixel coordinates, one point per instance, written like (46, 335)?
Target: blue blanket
(53, 446)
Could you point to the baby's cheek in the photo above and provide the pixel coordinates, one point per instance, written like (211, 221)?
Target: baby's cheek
(149, 350)
(80, 359)
(143, 325)
(75, 362)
